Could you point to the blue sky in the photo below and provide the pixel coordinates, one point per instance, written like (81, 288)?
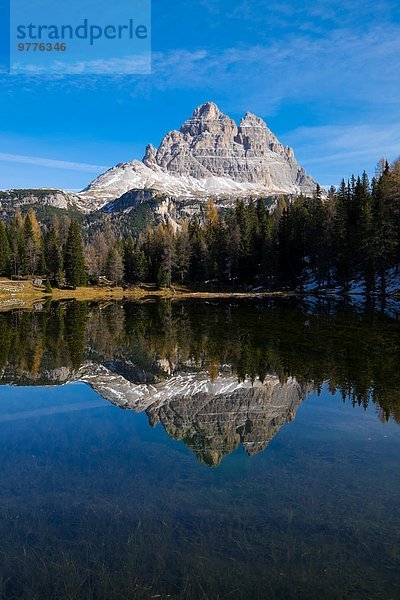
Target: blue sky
(324, 75)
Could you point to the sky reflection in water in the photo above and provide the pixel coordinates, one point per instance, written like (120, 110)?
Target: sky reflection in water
(96, 503)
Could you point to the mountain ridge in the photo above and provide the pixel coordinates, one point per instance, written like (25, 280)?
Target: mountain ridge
(210, 156)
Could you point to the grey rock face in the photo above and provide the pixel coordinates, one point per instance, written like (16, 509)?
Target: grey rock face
(213, 426)
(212, 417)
(210, 144)
(209, 157)
(47, 198)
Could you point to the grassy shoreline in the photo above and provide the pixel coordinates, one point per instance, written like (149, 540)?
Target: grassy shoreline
(29, 294)
(24, 294)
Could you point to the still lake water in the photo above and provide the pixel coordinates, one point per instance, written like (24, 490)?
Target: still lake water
(199, 450)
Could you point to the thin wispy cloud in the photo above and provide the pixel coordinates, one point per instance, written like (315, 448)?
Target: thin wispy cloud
(339, 69)
(346, 66)
(321, 63)
(128, 65)
(304, 15)
(341, 66)
(51, 163)
(345, 146)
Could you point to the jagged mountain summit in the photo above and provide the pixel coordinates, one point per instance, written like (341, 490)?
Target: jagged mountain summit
(210, 144)
(210, 156)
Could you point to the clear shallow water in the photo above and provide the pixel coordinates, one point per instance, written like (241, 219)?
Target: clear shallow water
(95, 503)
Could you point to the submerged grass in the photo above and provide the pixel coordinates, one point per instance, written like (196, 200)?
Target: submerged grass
(110, 558)
(106, 516)
(95, 505)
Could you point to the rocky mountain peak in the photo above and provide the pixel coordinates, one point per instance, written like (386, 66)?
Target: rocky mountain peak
(150, 155)
(208, 110)
(207, 119)
(210, 145)
(210, 156)
(251, 120)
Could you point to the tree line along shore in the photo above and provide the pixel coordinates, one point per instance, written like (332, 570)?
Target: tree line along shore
(323, 242)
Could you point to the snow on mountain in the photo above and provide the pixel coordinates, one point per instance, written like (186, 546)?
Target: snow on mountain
(212, 417)
(136, 176)
(210, 156)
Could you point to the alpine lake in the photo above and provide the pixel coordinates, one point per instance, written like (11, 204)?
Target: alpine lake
(215, 449)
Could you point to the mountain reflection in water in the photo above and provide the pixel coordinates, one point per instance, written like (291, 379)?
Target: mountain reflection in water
(96, 504)
(214, 375)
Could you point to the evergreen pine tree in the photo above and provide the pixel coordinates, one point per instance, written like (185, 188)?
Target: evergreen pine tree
(5, 254)
(197, 263)
(74, 261)
(264, 242)
(385, 227)
(284, 250)
(54, 258)
(166, 265)
(341, 236)
(182, 253)
(128, 259)
(33, 242)
(17, 244)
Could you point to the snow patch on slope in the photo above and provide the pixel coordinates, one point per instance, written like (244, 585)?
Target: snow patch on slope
(137, 176)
